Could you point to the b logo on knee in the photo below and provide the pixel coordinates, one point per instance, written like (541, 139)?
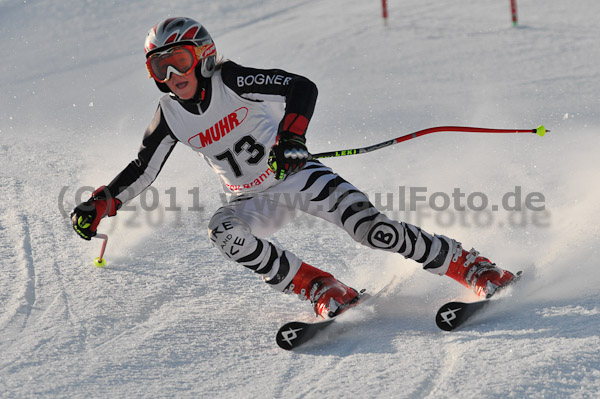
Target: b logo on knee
(383, 236)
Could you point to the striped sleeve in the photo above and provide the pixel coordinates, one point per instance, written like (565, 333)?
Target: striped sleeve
(157, 145)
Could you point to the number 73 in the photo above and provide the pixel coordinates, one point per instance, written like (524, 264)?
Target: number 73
(245, 144)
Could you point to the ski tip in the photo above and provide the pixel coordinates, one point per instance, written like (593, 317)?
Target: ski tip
(540, 130)
(288, 335)
(293, 334)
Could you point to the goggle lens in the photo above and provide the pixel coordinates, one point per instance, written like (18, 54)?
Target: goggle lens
(180, 60)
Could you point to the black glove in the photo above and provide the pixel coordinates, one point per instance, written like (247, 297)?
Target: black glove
(87, 215)
(289, 154)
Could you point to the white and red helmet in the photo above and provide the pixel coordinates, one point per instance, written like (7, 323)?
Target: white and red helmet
(181, 31)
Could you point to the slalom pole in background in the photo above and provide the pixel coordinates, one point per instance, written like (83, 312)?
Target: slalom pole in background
(100, 261)
(540, 131)
(513, 11)
(384, 12)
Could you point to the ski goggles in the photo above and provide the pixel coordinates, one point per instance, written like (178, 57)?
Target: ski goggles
(180, 60)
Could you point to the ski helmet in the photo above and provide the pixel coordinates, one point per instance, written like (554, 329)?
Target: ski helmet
(181, 31)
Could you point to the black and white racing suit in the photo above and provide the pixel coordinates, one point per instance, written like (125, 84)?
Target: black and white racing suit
(233, 128)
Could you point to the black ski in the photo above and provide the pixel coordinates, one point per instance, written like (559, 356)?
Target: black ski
(293, 334)
(454, 314)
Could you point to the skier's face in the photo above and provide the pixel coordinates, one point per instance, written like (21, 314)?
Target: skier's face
(184, 86)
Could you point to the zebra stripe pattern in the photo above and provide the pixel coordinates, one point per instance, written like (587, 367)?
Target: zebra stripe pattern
(233, 237)
(349, 208)
(318, 191)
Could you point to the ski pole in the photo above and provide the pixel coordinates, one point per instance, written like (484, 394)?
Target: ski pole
(540, 131)
(100, 261)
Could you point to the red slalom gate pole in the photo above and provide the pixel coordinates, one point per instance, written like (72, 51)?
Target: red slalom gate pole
(540, 131)
(384, 11)
(513, 10)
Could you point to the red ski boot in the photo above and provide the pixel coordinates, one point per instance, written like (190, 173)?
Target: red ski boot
(328, 296)
(478, 273)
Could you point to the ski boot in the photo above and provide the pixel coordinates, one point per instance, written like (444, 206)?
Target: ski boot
(478, 273)
(328, 296)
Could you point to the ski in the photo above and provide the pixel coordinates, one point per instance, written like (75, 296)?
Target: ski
(452, 315)
(293, 334)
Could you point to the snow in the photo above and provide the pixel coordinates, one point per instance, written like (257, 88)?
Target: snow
(168, 317)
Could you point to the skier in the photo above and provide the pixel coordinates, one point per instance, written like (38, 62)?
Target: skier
(218, 108)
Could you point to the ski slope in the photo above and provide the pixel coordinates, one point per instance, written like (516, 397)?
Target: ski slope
(168, 317)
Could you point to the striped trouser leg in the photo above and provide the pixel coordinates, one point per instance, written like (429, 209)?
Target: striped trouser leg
(235, 229)
(320, 192)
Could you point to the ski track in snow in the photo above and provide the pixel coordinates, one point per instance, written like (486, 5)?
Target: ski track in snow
(168, 317)
(19, 307)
